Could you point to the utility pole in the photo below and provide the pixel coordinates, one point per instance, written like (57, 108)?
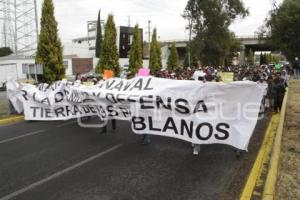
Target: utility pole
(129, 22)
(129, 35)
(190, 39)
(187, 15)
(36, 22)
(149, 36)
(128, 30)
(16, 28)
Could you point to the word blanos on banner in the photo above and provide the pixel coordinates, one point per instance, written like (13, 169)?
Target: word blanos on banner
(201, 113)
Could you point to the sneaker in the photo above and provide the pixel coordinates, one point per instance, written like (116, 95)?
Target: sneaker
(195, 152)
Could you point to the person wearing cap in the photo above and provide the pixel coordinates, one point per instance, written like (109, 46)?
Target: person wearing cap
(107, 75)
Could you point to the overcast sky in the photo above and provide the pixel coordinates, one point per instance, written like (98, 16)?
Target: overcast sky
(72, 16)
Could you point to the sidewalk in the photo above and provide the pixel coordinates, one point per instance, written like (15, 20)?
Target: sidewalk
(3, 104)
(288, 182)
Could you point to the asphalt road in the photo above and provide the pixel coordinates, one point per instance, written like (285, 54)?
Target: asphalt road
(60, 160)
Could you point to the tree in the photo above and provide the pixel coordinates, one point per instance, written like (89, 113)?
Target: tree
(284, 26)
(155, 63)
(109, 57)
(5, 51)
(173, 62)
(49, 51)
(250, 58)
(261, 59)
(98, 37)
(271, 59)
(186, 61)
(268, 58)
(234, 48)
(265, 59)
(195, 61)
(211, 21)
(136, 51)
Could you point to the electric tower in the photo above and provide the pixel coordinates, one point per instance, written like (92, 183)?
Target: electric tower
(19, 26)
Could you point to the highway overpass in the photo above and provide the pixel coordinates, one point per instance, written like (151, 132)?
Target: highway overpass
(247, 43)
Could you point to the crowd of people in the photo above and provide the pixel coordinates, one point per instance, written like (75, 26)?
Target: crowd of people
(274, 80)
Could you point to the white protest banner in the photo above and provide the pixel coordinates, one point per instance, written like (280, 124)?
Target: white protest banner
(201, 113)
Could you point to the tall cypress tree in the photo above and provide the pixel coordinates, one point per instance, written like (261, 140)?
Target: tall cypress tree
(173, 62)
(136, 58)
(155, 63)
(109, 57)
(49, 51)
(98, 37)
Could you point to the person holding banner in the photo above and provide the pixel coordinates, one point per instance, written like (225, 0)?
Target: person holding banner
(198, 76)
(107, 75)
(144, 72)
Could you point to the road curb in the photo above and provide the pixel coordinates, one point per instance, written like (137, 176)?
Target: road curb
(11, 119)
(270, 184)
(261, 158)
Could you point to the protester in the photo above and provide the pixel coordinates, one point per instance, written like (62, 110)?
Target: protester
(296, 68)
(146, 139)
(11, 108)
(270, 93)
(199, 76)
(113, 123)
(263, 75)
(77, 77)
(107, 75)
(264, 85)
(285, 78)
(279, 91)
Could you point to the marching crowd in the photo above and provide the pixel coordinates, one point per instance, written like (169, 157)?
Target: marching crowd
(274, 81)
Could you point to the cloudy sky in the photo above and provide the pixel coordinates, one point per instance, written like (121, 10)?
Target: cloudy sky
(165, 15)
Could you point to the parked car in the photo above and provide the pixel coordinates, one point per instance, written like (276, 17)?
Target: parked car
(90, 76)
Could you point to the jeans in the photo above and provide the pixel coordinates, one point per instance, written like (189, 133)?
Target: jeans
(12, 110)
(196, 147)
(146, 139)
(113, 123)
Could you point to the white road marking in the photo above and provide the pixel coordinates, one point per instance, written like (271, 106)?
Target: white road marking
(22, 136)
(57, 174)
(66, 124)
